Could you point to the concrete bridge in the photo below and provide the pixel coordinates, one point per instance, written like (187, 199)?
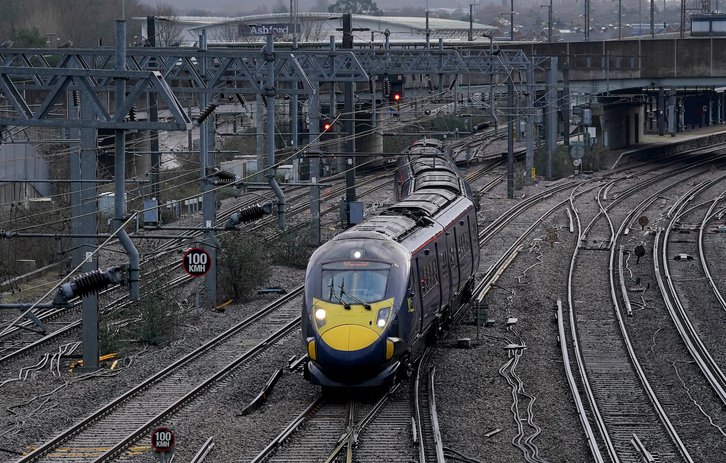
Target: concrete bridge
(633, 87)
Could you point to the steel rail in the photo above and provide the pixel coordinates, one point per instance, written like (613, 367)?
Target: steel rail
(438, 443)
(599, 420)
(351, 435)
(688, 333)
(78, 427)
(589, 393)
(662, 415)
(702, 255)
(581, 412)
(289, 429)
(691, 344)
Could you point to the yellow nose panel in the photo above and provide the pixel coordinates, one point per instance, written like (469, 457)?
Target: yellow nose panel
(349, 337)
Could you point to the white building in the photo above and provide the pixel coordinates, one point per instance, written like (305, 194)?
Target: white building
(309, 27)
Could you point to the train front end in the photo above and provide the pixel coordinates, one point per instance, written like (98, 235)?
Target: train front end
(353, 291)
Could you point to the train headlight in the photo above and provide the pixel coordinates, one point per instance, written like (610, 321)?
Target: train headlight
(383, 316)
(319, 317)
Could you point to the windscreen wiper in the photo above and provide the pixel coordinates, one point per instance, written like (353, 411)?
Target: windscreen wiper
(340, 300)
(343, 291)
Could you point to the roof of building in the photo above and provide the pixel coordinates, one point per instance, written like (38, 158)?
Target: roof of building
(380, 22)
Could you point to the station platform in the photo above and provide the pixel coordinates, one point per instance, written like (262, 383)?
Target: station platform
(654, 146)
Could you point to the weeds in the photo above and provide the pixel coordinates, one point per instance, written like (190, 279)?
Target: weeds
(242, 265)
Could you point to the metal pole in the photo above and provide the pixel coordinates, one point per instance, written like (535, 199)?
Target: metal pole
(661, 112)
(587, 20)
(207, 160)
(491, 87)
(350, 196)
(620, 19)
(672, 111)
(529, 157)
(652, 19)
(314, 167)
(333, 110)
(295, 123)
(120, 168)
(154, 117)
(441, 63)
(270, 90)
(566, 102)
(89, 209)
(471, 22)
(260, 139)
(428, 31)
(664, 19)
(551, 114)
(510, 137)
(511, 35)
(550, 23)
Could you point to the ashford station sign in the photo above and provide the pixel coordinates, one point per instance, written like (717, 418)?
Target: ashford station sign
(265, 29)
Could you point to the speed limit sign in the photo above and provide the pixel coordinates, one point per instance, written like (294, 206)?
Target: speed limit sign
(162, 440)
(196, 262)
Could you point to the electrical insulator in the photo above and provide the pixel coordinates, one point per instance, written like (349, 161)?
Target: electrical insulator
(240, 98)
(74, 96)
(224, 177)
(92, 282)
(206, 113)
(482, 125)
(386, 87)
(372, 85)
(249, 214)
(264, 100)
(132, 113)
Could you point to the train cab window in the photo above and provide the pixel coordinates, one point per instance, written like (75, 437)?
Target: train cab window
(353, 282)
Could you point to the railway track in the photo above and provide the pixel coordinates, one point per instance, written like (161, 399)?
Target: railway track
(107, 432)
(611, 376)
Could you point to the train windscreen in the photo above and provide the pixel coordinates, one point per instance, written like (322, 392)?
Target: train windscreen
(354, 282)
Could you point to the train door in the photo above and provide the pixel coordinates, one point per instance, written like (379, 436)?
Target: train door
(463, 241)
(474, 233)
(451, 242)
(444, 277)
(413, 306)
(419, 285)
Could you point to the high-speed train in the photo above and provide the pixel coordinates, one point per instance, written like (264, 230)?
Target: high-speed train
(378, 292)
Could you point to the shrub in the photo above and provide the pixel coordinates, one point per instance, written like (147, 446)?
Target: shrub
(291, 248)
(242, 265)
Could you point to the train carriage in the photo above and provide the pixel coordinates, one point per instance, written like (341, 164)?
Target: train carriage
(377, 293)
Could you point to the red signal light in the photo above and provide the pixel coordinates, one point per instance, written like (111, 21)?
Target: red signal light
(396, 97)
(326, 126)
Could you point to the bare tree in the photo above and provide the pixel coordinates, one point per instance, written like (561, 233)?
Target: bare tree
(168, 30)
(226, 33)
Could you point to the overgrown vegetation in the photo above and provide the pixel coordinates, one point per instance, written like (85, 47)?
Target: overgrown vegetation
(243, 265)
(291, 248)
